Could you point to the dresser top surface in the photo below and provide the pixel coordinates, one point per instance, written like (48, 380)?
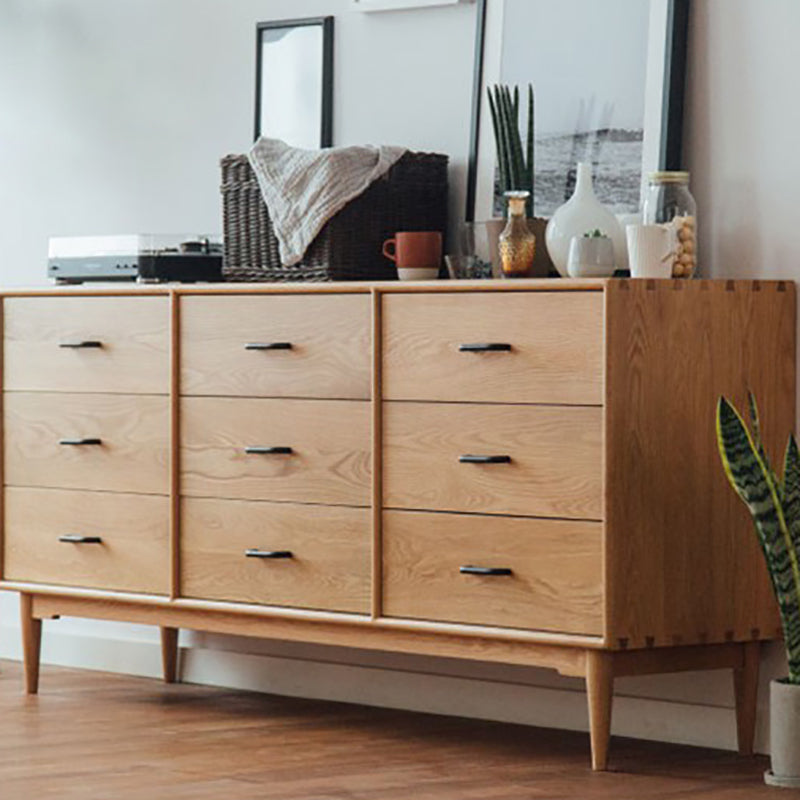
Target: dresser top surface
(397, 287)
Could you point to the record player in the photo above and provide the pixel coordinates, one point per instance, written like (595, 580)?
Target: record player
(154, 258)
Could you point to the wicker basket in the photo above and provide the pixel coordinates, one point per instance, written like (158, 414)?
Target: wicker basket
(412, 196)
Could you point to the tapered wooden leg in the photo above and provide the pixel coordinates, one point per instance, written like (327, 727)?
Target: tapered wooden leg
(31, 643)
(745, 684)
(600, 691)
(169, 654)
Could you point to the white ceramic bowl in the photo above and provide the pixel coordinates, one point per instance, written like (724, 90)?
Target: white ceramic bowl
(418, 273)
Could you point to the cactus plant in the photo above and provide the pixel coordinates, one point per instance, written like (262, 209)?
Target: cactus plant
(774, 504)
(514, 162)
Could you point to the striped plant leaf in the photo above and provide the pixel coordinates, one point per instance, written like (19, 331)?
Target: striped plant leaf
(514, 159)
(791, 498)
(752, 478)
(529, 142)
(755, 424)
(498, 139)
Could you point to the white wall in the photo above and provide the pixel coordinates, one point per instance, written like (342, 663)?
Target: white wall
(113, 116)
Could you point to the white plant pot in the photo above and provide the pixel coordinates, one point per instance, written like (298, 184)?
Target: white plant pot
(583, 212)
(591, 257)
(784, 735)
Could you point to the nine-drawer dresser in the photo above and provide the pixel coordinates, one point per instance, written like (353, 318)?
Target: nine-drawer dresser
(520, 472)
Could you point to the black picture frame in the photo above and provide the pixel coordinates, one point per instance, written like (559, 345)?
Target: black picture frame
(326, 110)
(670, 155)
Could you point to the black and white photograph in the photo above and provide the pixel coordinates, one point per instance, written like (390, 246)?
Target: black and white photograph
(601, 76)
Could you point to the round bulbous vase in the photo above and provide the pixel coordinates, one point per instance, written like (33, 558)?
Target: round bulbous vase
(784, 734)
(581, 213)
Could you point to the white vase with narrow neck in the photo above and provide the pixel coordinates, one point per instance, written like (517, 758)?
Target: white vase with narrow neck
(581, 213)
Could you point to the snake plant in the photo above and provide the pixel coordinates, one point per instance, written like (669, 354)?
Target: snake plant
(774, 504)
(514, 163)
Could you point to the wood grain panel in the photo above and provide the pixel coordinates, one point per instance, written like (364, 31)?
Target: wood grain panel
(133, 332)
(556, 351)
(133, 555)
(134, 432)
(330, 547)
(330, 440)
(329, 355)
(555, 468)
(683, 562)
(556, 568)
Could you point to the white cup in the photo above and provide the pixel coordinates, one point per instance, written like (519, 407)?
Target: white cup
(651, 250)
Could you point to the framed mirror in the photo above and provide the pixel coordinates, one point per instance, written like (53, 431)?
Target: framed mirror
(294, 81)
(609, 86)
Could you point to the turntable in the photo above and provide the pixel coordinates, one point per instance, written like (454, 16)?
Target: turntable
(156, 258)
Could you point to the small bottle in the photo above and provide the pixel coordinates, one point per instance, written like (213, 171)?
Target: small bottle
(517, 243)
(669, 202)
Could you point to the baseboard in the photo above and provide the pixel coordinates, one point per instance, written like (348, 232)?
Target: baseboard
(637, 717)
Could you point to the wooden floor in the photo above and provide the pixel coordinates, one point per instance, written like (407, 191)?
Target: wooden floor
(110, 737)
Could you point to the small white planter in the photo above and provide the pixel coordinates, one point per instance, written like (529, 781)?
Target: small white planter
(784, 734)
(590, 257)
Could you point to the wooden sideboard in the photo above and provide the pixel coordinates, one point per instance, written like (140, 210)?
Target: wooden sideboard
(518, 472)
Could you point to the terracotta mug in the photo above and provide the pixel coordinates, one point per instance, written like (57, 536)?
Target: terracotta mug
(415, 249)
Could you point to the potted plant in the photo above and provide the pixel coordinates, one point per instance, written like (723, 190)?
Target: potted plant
(591, 255)
(774, 503)
(514, 164)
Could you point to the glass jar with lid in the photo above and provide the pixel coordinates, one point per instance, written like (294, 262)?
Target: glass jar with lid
(669, 201)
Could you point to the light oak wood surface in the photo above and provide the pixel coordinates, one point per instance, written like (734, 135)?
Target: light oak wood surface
(501, 645)
(601, 402)
(329, 463)
(555, 468)
(251, 289)
(555, 581)
(600, 694)
(329, 338)
(683, 561)
(556, 351)
(133, 553)
(329, 567)
(133, 333)
(31, 628)
(133, 454)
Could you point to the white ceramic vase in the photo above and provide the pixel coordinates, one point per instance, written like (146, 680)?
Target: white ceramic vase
(581, 213)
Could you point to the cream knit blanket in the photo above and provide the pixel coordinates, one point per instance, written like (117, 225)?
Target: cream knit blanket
(303, 189)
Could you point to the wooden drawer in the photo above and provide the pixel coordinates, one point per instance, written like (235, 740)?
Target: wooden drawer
(328, 567)
(132, 454)
(329, 462)
(555, 467)
(556, 571)
(555, 339)
(329, 354)
(132, 556)
(42, 334)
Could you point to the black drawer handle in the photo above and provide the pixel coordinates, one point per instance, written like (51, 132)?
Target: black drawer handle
(268, 451)
(79, 442)
(85, 344)
(254, 552)
(268, 346)
(75, 538)
(474, 459)
(470, 570)
(485, 347)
